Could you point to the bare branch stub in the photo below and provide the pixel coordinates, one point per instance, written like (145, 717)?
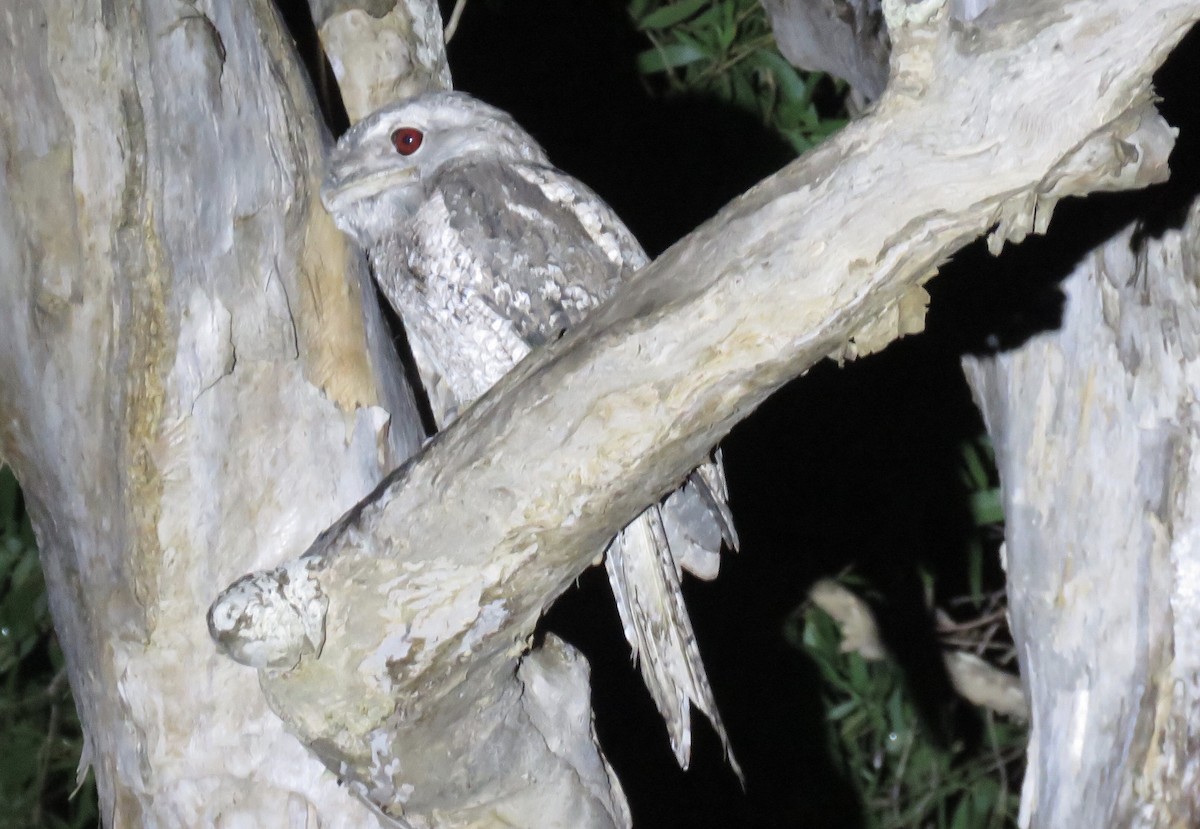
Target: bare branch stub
(382, 51)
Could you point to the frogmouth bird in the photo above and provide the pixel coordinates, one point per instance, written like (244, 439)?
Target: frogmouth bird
(485, 250)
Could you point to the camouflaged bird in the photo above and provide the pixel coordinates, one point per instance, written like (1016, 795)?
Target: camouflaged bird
(485, 250)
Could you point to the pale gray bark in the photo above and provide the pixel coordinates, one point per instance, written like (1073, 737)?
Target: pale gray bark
(191, 392)
(1097, 434)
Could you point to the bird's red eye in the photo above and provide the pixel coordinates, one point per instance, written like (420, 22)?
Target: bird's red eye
(407, 140)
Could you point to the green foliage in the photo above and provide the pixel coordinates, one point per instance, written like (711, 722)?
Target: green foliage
(985, 502)
(979, 477)
(40, 737)
(904, 779)
(725, 48)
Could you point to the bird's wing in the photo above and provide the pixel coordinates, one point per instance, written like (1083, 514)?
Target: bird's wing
(548, 248)
(698, 521)
(593, 215)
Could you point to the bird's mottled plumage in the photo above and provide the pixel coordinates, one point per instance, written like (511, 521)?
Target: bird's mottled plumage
(486, 251)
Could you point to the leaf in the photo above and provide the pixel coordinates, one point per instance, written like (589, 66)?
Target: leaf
(987, 507)
(637, 9)
(896, 719)
(799, 141)
(670, 15)
(842, 710)
(828, 126)
(860, 676)
(975, 475)
(705, 20)
(962, 813)
(796, 114)
(985, 791)
(795, 89)
(667, 57)
(743, 92)
(975, 571)
(726, 34)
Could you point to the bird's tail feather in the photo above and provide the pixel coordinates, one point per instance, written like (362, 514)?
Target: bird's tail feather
(645, 582)
(697, 520)
(709, 479)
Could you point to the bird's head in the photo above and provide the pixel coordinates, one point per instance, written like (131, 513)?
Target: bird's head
(382, 168)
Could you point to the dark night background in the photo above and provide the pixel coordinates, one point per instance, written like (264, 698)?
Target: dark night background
(855, 465)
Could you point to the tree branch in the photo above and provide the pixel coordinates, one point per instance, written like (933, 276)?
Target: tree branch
(382, 50)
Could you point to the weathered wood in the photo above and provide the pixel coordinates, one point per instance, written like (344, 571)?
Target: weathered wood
(382, 50)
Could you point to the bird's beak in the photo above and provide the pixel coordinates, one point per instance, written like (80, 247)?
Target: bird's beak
(362, 180)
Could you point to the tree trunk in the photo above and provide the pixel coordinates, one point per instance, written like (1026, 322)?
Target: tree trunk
(197, 382)
(1097, 433)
